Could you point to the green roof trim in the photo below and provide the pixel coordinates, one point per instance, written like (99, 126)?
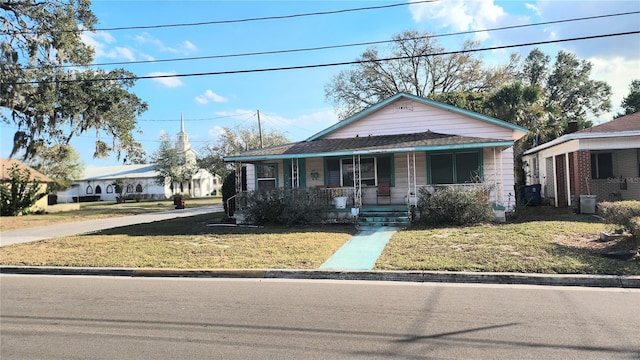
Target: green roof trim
(422, 100)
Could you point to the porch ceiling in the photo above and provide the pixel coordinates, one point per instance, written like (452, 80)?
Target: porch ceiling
(424, 141)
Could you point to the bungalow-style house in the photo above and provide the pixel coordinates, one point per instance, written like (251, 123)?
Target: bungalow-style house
(138, 181)
(387, 152)
(601, 161)
(34, 176)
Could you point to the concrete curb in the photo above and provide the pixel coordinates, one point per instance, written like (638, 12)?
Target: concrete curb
(632, 282)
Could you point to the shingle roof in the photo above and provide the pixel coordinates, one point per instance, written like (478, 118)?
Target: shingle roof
(382, 143)
(625, 123)
(7, 164)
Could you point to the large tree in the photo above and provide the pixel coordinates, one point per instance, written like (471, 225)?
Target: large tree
(415, 68)
(172, 165)
(574, 96)
(46, 90)
(61, 163)
(234, 140)
(631, 102)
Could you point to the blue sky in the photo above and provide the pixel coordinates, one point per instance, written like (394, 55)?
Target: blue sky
(293, 101)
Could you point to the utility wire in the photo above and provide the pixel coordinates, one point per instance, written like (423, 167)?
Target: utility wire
(298, 67)
(206, 119)
(351, 44)
(220, 22)
(277, 17)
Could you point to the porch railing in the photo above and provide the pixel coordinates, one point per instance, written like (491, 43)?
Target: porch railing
(238, 202)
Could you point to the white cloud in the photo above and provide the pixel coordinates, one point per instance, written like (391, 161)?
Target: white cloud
(100, 42)
(166, 80)
(209, 96)
(185, 47)
(295, 128)
(459, 15)
(122, 52)
(300, 127)
(216, 131)
(533, 8)
(190, 46)
(617, 72)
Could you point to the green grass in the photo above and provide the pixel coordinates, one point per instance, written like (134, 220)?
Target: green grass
(98, 210)
(541, 240)
(567, 245)
(186, 243)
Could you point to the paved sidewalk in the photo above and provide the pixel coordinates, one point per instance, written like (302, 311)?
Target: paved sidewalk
(361, 251)
(18, 236)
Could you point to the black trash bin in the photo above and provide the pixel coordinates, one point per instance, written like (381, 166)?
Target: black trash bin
(178, 201)
(530, 194)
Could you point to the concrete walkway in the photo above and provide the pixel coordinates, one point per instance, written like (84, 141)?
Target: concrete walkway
(361, 251)
(18, 236)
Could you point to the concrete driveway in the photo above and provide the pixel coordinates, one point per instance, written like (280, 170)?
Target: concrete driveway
(18, 236)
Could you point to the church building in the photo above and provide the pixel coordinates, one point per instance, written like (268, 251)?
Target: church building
(139, 181)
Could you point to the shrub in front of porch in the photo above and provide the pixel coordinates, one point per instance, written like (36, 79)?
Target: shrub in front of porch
(285, 207)
(453, 205)
(622, 213)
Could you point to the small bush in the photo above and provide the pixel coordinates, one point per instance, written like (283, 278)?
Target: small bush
(634, 227)
(285, 207)
(619, 213)
(228, 190)
(454, 206)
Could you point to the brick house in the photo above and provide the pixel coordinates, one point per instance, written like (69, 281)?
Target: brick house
(602, 160)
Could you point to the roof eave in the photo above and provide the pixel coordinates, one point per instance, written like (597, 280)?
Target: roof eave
(503, 144)
(581, 136)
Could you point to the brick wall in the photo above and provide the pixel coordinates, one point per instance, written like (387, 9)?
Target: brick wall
(583, 171)
(561, 179)
(580, 168)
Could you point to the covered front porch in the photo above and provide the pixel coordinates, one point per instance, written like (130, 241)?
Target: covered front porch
(377, 187)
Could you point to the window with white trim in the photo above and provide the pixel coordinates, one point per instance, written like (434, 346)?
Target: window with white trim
(266, 176)
(373, 171)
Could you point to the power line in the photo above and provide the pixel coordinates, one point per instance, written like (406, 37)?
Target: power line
(355, 62)
(317, 48)
(232, 21)
(201, 119)
(277, 17)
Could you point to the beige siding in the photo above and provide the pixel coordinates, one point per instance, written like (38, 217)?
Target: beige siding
(314, 165)
(419, 118)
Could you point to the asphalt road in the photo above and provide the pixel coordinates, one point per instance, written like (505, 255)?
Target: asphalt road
(47, 232)
(68, 317)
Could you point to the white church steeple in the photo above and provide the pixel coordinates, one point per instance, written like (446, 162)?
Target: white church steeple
(182, 143)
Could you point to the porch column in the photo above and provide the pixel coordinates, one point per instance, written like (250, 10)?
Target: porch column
(411, 177)
(561, 185)
(568, 177)
(238, 166)
(357, 182)
(555, 181)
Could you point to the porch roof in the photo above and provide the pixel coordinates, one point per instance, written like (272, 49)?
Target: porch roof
(384, 144)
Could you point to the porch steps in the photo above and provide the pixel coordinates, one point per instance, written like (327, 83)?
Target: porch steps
(379, 216)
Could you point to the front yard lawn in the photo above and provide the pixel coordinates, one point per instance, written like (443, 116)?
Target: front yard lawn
(541, 241)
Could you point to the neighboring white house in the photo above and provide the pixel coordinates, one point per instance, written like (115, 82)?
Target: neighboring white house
(403, 143)
(139, 181)
(602, 160)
